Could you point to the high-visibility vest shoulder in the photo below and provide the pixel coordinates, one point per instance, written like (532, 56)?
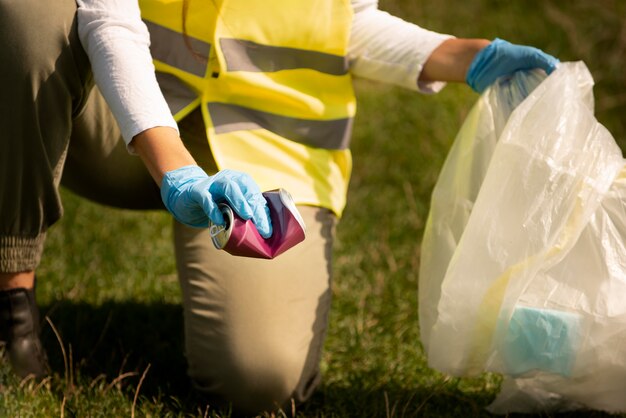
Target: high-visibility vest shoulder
(271, 78)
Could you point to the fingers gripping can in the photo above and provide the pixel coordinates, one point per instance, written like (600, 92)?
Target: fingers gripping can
(240, 237)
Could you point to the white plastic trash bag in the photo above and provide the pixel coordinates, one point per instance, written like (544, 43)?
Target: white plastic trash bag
(523, 268)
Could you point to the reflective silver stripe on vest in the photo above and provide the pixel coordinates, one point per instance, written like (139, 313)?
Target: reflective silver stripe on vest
(243, 55)
(177, 94)
(168, 46)
(329, 134)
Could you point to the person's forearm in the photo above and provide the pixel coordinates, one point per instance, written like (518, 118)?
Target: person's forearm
(161, 150)
(451, 60)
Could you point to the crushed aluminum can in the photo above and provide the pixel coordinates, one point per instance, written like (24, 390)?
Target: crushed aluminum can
(241, 238)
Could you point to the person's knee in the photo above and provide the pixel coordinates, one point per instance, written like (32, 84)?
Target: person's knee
(251, 379)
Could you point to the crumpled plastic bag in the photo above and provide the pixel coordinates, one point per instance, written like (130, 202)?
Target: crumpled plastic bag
(523, 268)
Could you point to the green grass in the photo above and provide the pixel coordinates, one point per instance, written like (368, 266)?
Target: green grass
(108, 282)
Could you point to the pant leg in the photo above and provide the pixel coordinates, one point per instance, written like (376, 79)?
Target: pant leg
(98, 165)
(254, 329)
(44, 73)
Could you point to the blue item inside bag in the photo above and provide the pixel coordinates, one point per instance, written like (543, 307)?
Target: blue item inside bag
(541, 339)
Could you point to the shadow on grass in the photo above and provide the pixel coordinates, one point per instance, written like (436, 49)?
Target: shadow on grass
(393, 401)
(423, 402)
(125, 337)
(116, 338)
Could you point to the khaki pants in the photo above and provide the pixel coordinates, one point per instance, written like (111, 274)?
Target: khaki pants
(254, 329)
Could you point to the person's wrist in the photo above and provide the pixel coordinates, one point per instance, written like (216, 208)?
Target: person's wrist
(161, 150)
(176, 182)
(475, 72)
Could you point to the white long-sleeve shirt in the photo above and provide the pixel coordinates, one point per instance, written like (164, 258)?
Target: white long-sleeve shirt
(382, 48)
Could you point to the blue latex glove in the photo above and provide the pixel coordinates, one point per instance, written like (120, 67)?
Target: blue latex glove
(192, 197)
(502, 58)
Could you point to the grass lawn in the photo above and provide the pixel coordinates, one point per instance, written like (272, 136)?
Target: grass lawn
(108, 285)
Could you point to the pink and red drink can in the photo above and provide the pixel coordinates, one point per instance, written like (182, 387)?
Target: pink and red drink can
(240, 237)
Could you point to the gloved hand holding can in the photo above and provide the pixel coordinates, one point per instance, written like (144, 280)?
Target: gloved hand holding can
(192, 197)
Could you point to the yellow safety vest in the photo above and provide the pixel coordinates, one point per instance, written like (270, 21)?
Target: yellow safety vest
(272, 80)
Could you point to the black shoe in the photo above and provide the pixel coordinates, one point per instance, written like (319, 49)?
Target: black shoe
(19, 329)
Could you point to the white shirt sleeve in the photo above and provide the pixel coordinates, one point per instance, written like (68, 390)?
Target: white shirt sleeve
(117, 43)
(388, 49)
